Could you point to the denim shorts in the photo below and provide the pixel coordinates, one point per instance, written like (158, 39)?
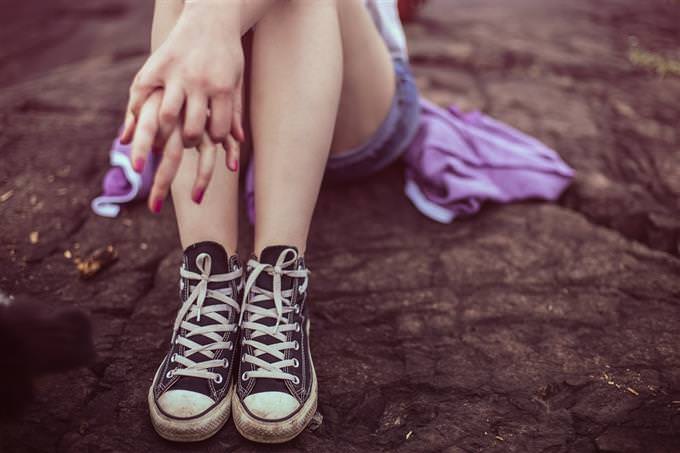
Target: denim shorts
(391, 139)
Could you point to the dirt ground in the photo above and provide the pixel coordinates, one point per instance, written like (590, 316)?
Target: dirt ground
(530, 327)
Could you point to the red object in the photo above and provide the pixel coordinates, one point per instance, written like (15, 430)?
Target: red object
(157, 206)
(408, 9)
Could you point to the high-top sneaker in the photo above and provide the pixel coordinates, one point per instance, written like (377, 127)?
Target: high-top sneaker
(276, 388)
(190, 396)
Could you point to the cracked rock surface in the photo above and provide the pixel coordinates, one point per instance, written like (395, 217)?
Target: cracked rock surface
(527, 328)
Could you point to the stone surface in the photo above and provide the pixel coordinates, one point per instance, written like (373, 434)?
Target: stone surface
(527, 328)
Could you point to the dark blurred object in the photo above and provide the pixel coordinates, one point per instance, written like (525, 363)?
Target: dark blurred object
(408, 9)
(38, 341)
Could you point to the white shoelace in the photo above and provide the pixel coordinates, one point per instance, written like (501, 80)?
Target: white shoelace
(192, 309)
(282, 307)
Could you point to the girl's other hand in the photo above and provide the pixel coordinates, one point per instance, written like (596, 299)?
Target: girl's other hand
(199, 68)
(172, 153)
(170, 162)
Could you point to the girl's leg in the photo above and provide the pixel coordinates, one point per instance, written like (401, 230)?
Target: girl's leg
(297, 84)
(189, 399)
(216, 218)
(315, 63)
(368, 80)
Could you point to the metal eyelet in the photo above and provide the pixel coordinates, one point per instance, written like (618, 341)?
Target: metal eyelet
(244, 376)
(218, 379)
(225, 363)
(173, 357)
(296, 346)
(297, 326)
(296, 380)
(169, 374)
(296, 363)
(297, 310)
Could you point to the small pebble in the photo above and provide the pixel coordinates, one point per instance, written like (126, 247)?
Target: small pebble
(6, 196)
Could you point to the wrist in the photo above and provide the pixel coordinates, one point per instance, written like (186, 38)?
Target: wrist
(226, 12)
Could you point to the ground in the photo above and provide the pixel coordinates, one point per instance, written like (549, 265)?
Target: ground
(530, 327)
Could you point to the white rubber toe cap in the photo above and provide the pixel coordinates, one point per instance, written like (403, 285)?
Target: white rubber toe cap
(271, 405)
(184, 403)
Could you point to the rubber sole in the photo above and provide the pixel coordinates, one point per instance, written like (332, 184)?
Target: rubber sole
(279, 431)
(192, 430)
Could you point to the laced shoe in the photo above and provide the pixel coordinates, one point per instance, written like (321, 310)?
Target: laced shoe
(276, 388)
(190, 397)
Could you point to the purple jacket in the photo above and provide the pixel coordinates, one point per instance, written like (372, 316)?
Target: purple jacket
(460, 160)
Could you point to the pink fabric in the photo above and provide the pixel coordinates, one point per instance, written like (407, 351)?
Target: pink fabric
(121, 183)
(460, 160)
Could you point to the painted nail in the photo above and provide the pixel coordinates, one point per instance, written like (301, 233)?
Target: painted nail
(198, 195)
(157, 206)
(235, 165)
(138, 165)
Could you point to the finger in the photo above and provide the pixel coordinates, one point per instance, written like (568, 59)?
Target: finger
(142, 87)
(167, 169)
(128, 129)
(206, 165)
(168, 115)
(237, 116)
(220, 117)
(145, 132)
(225, 148)
(195, 113)
(232, 153)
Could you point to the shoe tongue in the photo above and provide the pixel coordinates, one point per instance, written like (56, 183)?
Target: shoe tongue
(219, 257)
(269, 256)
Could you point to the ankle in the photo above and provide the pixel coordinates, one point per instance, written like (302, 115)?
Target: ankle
(299, 246)
(230, 245)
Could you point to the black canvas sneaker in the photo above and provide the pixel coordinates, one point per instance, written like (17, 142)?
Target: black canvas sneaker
(276, 388)
(190, 397)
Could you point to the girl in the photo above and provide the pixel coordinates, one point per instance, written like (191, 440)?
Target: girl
(330, 95)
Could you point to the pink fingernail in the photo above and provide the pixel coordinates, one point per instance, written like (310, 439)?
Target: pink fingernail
(198, 195)
(236, 165)
(138, 165)
(157, 206)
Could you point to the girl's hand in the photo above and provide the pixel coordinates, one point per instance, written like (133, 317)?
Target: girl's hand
(199, 69)
(172, 155)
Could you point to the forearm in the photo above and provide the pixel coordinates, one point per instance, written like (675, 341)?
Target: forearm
(252, 11)
(245, 13)
(165, 15)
